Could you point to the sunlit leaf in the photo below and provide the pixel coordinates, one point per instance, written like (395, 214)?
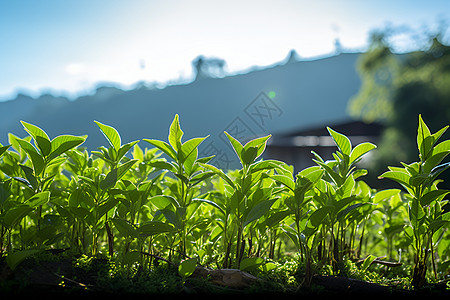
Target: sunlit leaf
(237, 146)
(360, 150)
(40, 137)
(187, 267)
(343, 142)
(36, 158)
(175, 134)
(62, 143)
(111, 135)
(258, 211)
(164, 147)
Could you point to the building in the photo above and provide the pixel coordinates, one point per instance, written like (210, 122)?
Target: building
(295, 148)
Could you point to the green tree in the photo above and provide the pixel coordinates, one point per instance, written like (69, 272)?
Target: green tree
(395, 89)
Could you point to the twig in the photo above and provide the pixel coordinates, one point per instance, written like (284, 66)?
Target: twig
(379, 261)
(158, 257)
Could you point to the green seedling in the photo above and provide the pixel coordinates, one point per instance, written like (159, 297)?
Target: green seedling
(336, 197)
(248, 198)
(420, 180)
(181, 204)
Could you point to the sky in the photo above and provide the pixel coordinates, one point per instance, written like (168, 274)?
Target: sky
(69, 47)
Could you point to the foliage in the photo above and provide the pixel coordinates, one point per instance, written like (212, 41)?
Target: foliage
(147, 207)
(396, 88)
(425, 212)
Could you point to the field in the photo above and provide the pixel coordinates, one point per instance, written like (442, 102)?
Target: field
(160, 219)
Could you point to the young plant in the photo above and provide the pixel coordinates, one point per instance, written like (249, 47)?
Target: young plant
(36, 167)
(179, 206)
(299, 195)
(248, 196)
(419, 179)
(44, 154)
(133, 216)
(336, 196)
(97, 196)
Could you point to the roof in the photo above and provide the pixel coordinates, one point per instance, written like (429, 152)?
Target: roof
(319, 135)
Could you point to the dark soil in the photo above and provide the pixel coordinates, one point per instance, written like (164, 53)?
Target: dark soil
(45, 277)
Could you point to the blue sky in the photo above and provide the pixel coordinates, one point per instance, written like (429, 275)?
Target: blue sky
(67, 47)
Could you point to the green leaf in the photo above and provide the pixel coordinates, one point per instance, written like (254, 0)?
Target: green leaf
(438, 170)
(345, 190)
(341, 141)
(437, 224)
(433, 160)
(3, 149)
(36, 159)
(125, 228)
(212, 203)
(116, 174)
(367, 262)
(318, 215)
(40, 137)
(163, 201)
(124, 149)
(15, 258)
(416, 213)
(431, 196)
(220, 173)
(343, 213)
(250, 263)
(237, 146)
(63, 143)
(38, 199)
(188, 147)
(131, 257)
(383, 195)
(340, 204)
(13, 216)
(417, 180)
(398, 176)
(164, 147)
(285, 180)
(175, 134)
(271, 164)
(187, 267)
(155, 227)
(25, 182)
(106, 206)
(442, 147)
(163, 165)
(111, 135)
(302, 186)
(275, 218)
(32, 180)
(172, 217)
(329, 170)
(249, 155)
(196, 179)
(259, 210)
(259, 143)
(424, 139)
(360, 150)
(312, 173)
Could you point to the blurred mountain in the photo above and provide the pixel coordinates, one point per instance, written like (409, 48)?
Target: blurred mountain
(290, 95)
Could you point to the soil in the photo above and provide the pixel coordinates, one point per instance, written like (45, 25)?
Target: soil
(45, 279)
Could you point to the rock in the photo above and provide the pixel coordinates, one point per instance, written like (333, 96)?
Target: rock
(232, 278)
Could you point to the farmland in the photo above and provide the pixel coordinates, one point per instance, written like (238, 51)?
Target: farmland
(153, 216)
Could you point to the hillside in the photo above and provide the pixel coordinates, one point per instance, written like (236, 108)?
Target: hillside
(284, 97)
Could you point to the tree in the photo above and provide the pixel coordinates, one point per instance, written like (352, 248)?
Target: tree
(208, 67)
(396, 88)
